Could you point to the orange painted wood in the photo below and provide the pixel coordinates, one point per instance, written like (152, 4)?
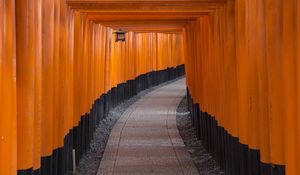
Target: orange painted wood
(242, 66)
(8, 112)
(25, 55)
(47, 143)
(37, 36)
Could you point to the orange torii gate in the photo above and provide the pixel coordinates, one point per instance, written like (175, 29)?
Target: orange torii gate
(241, 57)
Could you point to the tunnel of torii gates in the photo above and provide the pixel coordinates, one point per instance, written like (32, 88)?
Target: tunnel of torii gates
(60, 71)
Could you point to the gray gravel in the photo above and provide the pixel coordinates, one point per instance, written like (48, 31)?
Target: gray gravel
(204, 162)
(90, 161)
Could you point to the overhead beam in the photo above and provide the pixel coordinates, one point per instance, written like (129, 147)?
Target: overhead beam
(146, 6)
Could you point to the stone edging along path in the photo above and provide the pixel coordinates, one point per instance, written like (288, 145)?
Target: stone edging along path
(203, 160)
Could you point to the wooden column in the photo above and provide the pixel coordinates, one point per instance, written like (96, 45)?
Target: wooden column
(8, 109)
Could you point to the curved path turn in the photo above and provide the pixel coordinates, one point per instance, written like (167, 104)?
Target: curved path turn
(145, 140)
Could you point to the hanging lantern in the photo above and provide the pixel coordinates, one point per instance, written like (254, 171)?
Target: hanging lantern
(120, 35)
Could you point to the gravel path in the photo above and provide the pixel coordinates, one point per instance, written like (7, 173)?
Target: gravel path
(90, 162)
(204, 162)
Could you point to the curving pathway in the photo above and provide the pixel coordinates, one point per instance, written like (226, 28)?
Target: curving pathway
(145, 140)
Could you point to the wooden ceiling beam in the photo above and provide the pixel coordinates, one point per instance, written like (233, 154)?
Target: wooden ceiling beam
(102, 16)
(145, 6)
(147, 15)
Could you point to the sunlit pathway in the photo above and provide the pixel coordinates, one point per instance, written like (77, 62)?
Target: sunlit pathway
(146, 140)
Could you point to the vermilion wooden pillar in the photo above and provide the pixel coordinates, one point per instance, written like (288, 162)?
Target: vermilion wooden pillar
(47, 85)
(37, 36)
(25, 49)
(8, 110)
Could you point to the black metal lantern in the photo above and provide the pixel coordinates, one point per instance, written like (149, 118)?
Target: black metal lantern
(120, 35)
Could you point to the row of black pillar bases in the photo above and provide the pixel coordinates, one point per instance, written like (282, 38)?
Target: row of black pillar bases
(79, 137)
(234, 157)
